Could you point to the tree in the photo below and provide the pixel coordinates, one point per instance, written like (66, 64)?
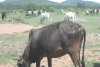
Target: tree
(80, 5)
(31, 7)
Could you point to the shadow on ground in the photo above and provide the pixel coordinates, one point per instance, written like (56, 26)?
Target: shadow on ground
(96, 65)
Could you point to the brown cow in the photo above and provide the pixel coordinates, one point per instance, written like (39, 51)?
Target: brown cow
(15, 12)
(4, 14)
(91, 11)
(54, 41)
(97, 11)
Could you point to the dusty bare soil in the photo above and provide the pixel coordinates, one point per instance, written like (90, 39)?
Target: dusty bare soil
(8, 29)
(23, 29)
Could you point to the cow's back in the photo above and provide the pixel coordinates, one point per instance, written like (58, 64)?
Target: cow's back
(50, 37)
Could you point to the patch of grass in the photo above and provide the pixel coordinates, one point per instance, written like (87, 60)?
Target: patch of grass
(66, 66)
(92, 64)
(6, 58)
(92, 46)
(3, 21)
(90, 56)
(90, 26)
(95, 51)
(14, 38)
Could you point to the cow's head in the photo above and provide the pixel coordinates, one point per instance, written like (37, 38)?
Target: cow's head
(22, 62)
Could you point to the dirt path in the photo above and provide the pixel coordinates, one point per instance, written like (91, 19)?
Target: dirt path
(15, 28)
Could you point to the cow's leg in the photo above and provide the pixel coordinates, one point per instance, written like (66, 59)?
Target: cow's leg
(48, 21)
(75, 19)
(38, 62)
(51, 20)
(49, 62)
(74, 52)
(76, 60)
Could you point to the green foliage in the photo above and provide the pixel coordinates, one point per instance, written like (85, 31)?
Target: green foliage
(80, 5)
(77, 12)
(48, 8)
(21, 11)
(31, 7)
(52, 9)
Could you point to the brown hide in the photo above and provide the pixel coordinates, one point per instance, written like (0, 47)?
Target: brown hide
(4, 15)
(54, 41)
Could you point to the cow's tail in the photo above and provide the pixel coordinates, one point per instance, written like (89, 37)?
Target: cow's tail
(84, 36)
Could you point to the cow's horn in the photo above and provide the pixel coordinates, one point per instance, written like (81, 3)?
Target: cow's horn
(16, 58)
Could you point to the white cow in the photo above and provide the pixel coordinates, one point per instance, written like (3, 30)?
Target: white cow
(29, 13)
(95, 11)
(70, 15)
(45, 16)
(87, 11)
(35, 13)
(62, 11)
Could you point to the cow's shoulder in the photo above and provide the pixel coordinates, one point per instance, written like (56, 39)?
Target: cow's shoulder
(34, 33)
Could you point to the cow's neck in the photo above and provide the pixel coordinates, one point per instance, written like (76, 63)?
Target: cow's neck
(26, 52)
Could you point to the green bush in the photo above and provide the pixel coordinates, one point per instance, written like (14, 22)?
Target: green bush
(52, 9)
(21, 11)
(77, 12)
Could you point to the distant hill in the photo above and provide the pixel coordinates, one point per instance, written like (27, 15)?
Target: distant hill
(87, 3)
(36, 1)
(67, 2)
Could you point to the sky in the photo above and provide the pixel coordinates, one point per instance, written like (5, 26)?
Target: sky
(59, 1)
(2, 0)
(98, 1)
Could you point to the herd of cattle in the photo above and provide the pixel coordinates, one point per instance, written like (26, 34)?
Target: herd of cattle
(47, 15)
(34, 12)
(93, 11)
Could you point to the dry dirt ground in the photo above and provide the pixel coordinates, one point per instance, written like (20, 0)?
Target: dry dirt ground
(23, 29)
(8, 29)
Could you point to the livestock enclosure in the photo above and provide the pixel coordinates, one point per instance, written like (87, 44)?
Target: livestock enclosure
(13, 44)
